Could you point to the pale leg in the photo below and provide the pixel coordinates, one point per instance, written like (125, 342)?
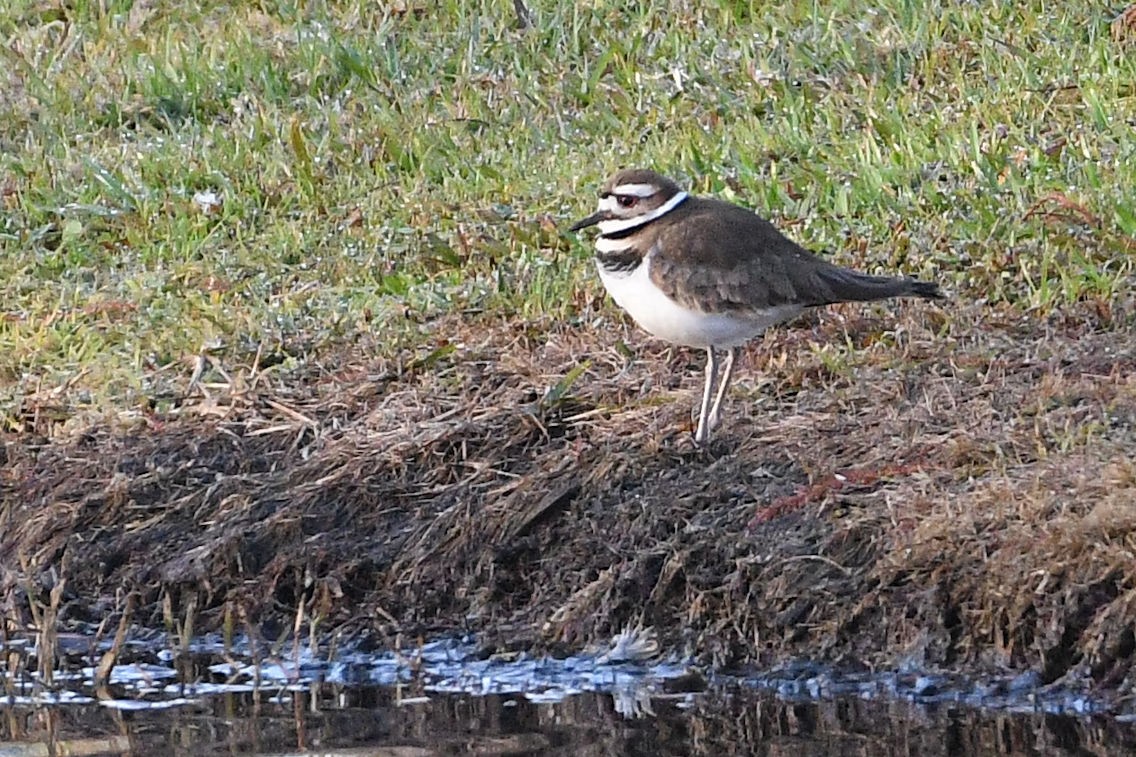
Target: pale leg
(727, 374)
(702, 433)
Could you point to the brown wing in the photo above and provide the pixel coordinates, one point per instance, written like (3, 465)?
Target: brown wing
(718, 257)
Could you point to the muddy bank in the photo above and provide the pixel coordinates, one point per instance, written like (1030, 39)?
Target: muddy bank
(954, 493)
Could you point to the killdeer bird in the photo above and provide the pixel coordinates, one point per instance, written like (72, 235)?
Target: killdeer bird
(704, 273)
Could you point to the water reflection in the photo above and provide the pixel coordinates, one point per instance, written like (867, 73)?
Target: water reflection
(404, 722)
(450, 697)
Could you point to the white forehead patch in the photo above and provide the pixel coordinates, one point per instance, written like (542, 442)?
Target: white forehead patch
(635, 190)
(608, 203)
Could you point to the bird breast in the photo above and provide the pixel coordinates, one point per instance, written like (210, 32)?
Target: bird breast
(661, 316)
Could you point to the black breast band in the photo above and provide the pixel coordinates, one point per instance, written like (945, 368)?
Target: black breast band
(621, 261)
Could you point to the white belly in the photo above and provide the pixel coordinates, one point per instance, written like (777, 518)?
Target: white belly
(663, 317)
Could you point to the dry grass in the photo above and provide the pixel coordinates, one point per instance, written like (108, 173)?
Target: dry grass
(954, 492)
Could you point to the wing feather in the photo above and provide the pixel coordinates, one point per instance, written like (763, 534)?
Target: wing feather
(717, 257)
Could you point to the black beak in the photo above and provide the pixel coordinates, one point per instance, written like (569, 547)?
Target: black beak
(591, 220)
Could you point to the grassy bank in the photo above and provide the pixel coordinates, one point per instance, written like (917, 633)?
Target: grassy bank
(290, 327)
(424, 159)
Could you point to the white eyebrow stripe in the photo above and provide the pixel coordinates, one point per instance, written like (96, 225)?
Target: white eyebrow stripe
(616, 225)
(636, 190)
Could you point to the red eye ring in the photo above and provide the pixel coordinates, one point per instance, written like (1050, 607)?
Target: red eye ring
(626, 201)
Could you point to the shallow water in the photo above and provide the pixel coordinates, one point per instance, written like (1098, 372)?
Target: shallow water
(371, 720)
(444, 699)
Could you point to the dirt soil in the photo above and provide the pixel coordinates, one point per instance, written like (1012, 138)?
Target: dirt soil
(938, 487)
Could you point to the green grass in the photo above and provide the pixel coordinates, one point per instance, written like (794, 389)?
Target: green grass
(369, 163)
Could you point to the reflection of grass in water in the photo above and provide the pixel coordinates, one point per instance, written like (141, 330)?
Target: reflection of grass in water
(725, 718)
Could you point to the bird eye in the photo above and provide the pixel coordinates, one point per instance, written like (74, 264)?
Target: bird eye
(626, 201)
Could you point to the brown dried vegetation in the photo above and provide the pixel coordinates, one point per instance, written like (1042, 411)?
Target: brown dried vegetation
(947, 492)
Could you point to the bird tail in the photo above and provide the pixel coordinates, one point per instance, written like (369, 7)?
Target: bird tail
(844, 285)
(928, 290)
